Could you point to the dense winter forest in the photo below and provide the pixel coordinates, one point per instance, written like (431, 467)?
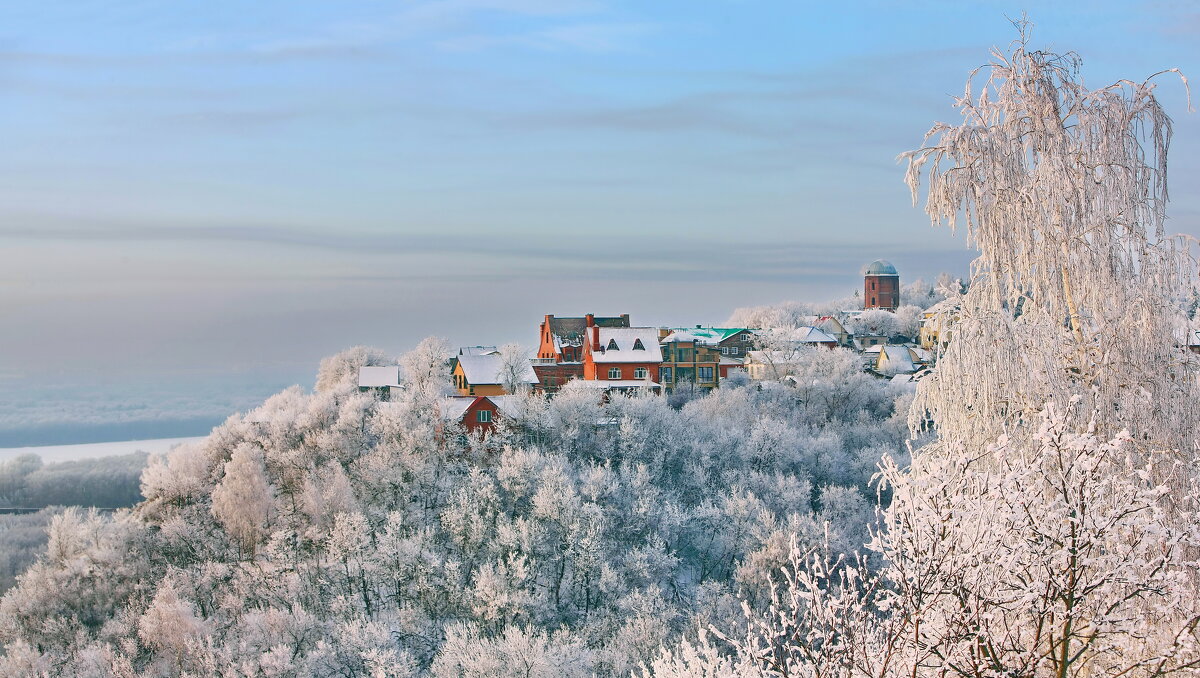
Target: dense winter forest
(333, 534)
(1044, 524)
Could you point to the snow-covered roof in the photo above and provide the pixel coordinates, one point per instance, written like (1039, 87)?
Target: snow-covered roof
(379, 376)
(485, 369)
(454, 407)
(508, 405)
(812, 335)
(874, 349)
(726, 360)
(703, 335)
(477, 350)
(625, 338)
(921, 353)
(828, 322)
(898, 358)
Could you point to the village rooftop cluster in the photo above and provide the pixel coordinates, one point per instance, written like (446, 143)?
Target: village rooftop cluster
(610, 354)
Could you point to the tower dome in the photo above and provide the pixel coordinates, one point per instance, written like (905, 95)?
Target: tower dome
(880, 267)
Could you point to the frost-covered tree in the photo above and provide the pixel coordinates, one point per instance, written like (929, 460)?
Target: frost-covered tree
(514, 366)
(908, 321)
(1060, 562)
(874, 321)
(1078, 285)
(789, 314)
(920, 294)
(343, 368)
(427, 369)
(242, 501)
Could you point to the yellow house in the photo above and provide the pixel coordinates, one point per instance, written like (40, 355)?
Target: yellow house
(935, 325)
(481, 375)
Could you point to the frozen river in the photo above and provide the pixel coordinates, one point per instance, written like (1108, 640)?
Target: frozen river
(56, 453)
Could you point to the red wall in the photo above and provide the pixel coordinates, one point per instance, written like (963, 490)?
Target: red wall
(886, 292)
(599, 371)
(470, 419)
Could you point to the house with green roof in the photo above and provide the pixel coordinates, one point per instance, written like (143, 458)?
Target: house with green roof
(700, 355)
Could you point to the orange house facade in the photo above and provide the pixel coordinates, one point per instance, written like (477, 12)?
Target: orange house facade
(626, 357)
(562, 339)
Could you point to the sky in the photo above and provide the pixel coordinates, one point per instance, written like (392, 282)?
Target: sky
(198, 201)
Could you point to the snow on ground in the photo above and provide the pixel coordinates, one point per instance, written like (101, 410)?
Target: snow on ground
(55, 453)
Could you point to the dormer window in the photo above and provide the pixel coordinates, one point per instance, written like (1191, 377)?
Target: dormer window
(612, 345)
(637, 345)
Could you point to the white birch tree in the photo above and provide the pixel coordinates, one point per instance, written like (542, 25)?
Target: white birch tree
(1078, 284)
(244, 498)
(514, 368)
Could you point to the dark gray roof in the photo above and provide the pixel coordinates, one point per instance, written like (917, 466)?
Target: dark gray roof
(569, 330)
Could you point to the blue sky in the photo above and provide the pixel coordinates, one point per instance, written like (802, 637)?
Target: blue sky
(205, 191)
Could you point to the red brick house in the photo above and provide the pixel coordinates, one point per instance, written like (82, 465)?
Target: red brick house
(479, 414)
(560, 347)
(622, 357)
(476, 414)
(562, 339)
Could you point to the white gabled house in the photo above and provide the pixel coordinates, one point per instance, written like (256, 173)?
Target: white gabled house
(384, 380)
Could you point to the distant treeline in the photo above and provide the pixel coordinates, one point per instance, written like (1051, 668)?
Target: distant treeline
(25, 482)
(109, 482)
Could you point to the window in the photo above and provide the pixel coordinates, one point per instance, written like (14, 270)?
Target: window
(733, 350)
(637, 345)
(483, 416)
(724, 350)
(704, 373)
(664, 374)
(872, 284)
(614, 373)
(612, 345)
(640, 373)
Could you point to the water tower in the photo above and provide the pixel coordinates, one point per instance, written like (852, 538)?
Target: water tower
(881, 286)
